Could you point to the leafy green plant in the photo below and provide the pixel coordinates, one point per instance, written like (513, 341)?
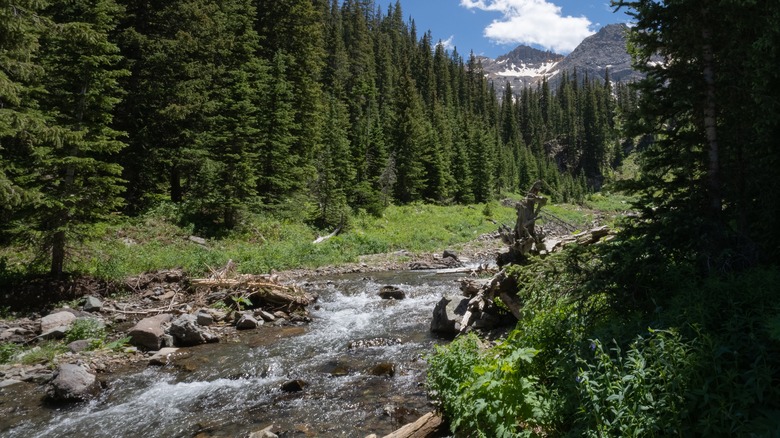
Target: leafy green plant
(8, 350)
(86, 328)
(486, 394)
(639, 392)
(241, 302)
(118, 344)
(42, 353)
(6, 313)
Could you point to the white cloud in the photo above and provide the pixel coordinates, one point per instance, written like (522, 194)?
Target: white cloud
(448, 43)
(533, 22)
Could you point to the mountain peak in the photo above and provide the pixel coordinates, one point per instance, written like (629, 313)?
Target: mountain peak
(525, 66)
(527, 54)
(606, 49)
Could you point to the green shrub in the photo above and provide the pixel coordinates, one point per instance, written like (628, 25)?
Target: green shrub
(485, 394)
(86, 328)
(118, 344)
(637, 393)
(8, 350)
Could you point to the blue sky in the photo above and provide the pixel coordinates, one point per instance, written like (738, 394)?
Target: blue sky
(494, 27)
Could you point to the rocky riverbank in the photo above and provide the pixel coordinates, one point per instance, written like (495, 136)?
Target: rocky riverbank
(66, 353)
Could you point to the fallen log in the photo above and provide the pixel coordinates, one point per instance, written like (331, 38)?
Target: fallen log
(269, 292)
(428, 426)
(324, 238)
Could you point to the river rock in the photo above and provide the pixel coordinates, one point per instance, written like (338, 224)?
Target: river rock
(296, 385)
(264, 433)
(73, 383)
(92, 304)
(449, 254)
(448, 314)
(17, 335)
(162, 357)
(186, 332)
(248, 322)
(9, 382)
(58, 319)
(383, 369)
(55, 332)
(80, 345)
(444, 263)
(391, 293)
(204, 318)
(266, 316)
(148, 333)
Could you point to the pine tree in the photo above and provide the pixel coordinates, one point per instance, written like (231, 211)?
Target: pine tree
(294, 30)
(410, 137)
(712, 157)
(278, 163)
(168, 46)
(22, 125)
(335, 174)
(77, 178)
(225, 181)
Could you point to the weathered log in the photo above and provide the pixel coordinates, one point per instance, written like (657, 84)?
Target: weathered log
(324, 238)
(272, 293)
(428, 426)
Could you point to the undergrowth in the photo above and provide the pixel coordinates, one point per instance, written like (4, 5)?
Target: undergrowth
(590, 357)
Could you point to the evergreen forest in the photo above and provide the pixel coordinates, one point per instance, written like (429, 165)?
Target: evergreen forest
(328, 112)
(313, 110)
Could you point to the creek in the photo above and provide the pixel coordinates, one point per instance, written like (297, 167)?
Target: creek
(232, 388)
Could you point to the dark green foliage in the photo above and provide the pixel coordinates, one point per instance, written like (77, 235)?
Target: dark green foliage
(67, 150)
(639, 392)
(21, 122)
(303, 109)
(485, 393)
(710, 168)
(8, 350)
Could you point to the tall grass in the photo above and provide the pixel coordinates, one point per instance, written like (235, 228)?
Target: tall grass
(264, 243)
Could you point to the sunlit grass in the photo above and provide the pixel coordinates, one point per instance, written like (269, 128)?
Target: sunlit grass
(264, 243)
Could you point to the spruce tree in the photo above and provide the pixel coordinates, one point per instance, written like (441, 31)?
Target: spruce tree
(410, 137)
(77, 178)
(224, 183)
(22, 125)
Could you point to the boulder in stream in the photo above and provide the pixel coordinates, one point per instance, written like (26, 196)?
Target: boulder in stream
(264, 433)
(248, 322)
(186, 332)
(204, 318)
(148, 333)
(73, 383)
(391, 293)
(296, 385)
(163, 357)
(448, 314)
(383, 369)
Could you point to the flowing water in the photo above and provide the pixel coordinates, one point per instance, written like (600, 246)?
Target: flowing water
(230, 389)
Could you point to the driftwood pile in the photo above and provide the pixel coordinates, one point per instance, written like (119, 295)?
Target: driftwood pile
(524, 239)
(259, 290)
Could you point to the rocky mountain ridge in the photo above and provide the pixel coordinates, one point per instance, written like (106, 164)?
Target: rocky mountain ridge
(525, 66)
